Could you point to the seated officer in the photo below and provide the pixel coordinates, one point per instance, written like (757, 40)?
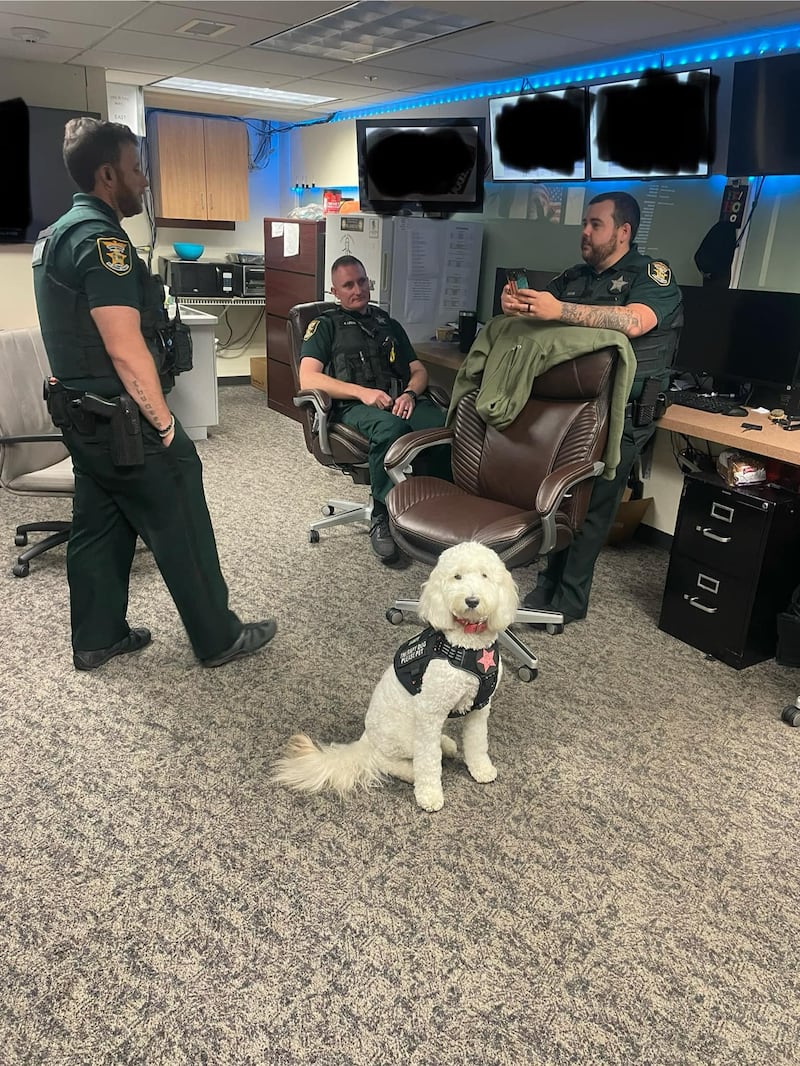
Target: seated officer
(364, 361)
(616, 287)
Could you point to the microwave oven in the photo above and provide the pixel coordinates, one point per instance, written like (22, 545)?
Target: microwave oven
(201, 277)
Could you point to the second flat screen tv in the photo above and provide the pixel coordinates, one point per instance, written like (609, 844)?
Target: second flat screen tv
(539, 136)
(661, 125)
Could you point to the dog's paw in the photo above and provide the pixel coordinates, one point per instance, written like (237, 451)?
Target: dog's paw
(430, 799)
(483, 771)
(449, 747)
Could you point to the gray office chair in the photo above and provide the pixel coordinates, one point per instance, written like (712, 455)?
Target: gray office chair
(33, 458)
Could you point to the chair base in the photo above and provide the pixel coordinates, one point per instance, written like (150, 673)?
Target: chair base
(529, 664)
(339, 513)
(59, 534)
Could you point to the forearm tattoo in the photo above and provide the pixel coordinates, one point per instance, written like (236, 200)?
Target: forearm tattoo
(145, 405)
(623, 319)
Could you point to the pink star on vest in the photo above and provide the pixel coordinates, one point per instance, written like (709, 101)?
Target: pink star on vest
(486, 659)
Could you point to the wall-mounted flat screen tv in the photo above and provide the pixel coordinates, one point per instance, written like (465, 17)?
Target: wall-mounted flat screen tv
(764, 119)
(433, 166)
(660, 125)
(539, 136)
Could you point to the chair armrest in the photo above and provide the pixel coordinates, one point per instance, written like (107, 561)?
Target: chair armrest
(440, 396)
(30, 438)
(323, 405)
(407, 448)
(552, 491)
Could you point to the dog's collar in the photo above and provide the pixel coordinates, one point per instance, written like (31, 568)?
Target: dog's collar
(470, 627)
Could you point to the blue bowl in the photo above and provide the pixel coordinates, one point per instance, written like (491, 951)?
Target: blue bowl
(189, 251)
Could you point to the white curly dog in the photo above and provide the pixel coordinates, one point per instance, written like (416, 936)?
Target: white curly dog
(450, 670)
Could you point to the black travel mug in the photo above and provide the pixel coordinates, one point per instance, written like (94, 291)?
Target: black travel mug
(467, 328)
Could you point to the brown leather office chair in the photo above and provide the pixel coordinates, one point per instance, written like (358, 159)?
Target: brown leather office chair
(33, 458)
(523, 491)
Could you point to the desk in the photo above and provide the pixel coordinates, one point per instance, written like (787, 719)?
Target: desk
(772, 442)
(441, 359)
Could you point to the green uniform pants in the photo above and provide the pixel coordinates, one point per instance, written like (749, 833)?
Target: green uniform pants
(164, 503)
(568, 574)
(382, 429)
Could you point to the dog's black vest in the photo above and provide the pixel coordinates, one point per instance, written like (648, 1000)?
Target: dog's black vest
(411, 661)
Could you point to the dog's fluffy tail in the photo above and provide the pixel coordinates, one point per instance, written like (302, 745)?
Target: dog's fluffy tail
(310, 767)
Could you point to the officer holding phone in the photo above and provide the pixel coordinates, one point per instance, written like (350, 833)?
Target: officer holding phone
(616, 287)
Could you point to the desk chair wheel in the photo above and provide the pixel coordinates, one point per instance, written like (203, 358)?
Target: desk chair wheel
(555, 628)
(791, 715)
(394, 616)
(328, 509)
(524, 673)
(313, 536)
(21, 539)
(21, 569)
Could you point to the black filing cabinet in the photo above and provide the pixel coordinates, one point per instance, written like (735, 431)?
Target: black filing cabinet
(734, 563)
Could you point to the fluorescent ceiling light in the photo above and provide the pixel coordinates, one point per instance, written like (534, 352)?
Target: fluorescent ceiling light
(242, 92)
(366, 29)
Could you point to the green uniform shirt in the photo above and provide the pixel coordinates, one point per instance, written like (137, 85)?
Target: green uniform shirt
(634, 279)
(318, 343)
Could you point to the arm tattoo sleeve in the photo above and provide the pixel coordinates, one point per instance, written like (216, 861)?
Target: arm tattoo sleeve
(620, 318)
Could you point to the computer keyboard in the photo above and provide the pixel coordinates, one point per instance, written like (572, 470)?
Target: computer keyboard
(715, 405)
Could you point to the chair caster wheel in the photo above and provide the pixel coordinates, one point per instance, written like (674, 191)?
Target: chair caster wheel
(524, 673)
(791, 715)
(394, 616)
(21, 539)
(555, 628)
(313, 536)
(21, 569)
(328, 509)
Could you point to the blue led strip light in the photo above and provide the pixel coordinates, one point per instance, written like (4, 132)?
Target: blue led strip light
(786, 39)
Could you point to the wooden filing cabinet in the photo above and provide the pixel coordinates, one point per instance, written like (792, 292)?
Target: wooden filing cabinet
(288, 280)
(733, 566)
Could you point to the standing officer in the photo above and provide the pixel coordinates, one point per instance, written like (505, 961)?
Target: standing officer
(111, 352)
(365, 362)
(616, 287)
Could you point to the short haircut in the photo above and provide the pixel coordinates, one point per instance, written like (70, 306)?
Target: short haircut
(346, 261)
(90, 143)
(626, 209)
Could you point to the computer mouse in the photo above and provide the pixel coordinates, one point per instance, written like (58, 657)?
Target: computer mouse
(737, 412)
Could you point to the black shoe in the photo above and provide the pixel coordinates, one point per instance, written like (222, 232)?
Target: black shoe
(90, 660)
(254, 635)
(538, 599)
(381, 539)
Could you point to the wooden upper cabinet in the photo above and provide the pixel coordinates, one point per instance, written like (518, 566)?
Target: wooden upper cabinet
(199, 167)
(226, 169)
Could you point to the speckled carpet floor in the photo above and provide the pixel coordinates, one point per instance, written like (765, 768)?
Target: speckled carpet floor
(625, 892)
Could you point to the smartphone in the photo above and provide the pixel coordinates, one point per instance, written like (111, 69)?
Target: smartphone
(517, 279)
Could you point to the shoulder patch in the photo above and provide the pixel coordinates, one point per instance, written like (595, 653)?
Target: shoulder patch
(659, 272)
(115, 255)
(311, 329)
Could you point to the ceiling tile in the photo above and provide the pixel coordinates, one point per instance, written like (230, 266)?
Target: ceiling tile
(357, 74)
(736, 10)
(160, 46)
(68, 34)
(270, 59)
(166, 19)
(613, 22)
(287, 12)
(424, 60)
(511, 43)
(38, 53)
(98, 58)
(90, 12)
(230, 76)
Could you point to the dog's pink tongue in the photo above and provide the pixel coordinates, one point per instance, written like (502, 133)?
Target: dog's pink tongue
(472, 627)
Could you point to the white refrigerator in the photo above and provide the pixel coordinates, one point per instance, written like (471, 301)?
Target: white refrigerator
(422, 271)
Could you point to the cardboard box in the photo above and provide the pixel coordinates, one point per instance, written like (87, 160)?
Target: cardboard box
(629, 518)
(258, 372)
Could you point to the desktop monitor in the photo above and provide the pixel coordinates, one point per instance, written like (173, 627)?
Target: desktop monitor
(740, 335)
(763, 137)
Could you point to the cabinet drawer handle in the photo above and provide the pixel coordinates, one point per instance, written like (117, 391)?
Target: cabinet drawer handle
(712, 535)
(695, 602)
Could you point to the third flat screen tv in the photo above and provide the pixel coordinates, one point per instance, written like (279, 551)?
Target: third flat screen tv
(764, 122)
(433, 165)
(539, 136)
(661, 125)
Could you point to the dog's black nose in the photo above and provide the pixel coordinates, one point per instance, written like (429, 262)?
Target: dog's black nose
(472, 601)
